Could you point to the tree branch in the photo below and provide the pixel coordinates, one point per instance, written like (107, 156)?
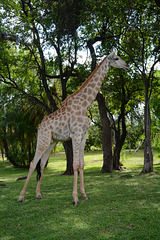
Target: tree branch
(38, 45)
(11, 37)
(91, 117)
(13, 85)
(151, 74)
(157, 3)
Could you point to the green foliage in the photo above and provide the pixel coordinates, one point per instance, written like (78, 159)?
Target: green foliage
(44, 69)
(118, 208)
(19, 135)
(155, 110)
(18, 130)
(94, 138)
(135, 128)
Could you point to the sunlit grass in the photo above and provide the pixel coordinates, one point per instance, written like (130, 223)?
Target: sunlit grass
(135, 161)
(119, 208)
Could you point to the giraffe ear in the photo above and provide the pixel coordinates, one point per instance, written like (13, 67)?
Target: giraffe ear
(111, 55)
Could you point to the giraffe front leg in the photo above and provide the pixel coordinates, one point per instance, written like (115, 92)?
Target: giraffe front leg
(76, 141)
(82, 167)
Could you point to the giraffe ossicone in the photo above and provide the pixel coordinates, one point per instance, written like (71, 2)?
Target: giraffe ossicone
(71, 122)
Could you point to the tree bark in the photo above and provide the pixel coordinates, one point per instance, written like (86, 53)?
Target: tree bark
(120, 138)
(5, 144)
(148, 155)
(106, 136)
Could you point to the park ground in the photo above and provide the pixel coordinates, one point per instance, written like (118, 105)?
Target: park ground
(119, 206)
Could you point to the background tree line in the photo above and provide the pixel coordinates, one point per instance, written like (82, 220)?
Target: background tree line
(47, 64)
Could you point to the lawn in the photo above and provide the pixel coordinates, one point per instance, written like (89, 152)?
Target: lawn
(118, 207)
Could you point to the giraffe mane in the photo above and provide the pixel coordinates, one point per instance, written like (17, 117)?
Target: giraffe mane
(85, 83)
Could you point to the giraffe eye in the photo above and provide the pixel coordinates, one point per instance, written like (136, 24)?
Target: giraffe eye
(116, 59)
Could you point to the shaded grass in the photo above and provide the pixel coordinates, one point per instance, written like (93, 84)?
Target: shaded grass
(119, 208)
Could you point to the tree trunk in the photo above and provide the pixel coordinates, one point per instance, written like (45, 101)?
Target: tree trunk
(117, 151)
(2, 153)
(120, 139)
(7, 153)
(106, 136)
(148, 155)
(69, 156)
(106, 130)
(116, 157)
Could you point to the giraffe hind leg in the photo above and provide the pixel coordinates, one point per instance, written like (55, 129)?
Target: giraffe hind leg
(40, 150)
(41, 165)
(38, 168)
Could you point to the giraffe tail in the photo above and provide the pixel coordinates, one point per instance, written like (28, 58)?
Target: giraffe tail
(38, 168)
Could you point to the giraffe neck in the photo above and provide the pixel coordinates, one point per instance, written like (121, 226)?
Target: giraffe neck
(88, 91)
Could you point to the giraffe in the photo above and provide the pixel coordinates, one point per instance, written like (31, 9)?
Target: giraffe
(71, 122)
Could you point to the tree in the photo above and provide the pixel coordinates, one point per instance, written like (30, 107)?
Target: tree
(135, 28)
(135, 126)
(141, 43)
(36, 21)
(18, 118)
(155, 114)
(18, 131)
(108, 31)
(66, 27)
(4, 36)
(121, 92)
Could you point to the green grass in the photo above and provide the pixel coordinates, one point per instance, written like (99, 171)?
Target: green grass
(119, 208)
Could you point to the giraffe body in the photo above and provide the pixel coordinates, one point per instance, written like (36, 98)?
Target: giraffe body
(71, 122)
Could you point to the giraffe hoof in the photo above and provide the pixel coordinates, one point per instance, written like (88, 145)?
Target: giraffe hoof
(74, 203)
(21, 199)
(85, 198)
(39, 196)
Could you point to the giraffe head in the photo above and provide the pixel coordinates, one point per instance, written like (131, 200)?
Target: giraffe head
(116, 61)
